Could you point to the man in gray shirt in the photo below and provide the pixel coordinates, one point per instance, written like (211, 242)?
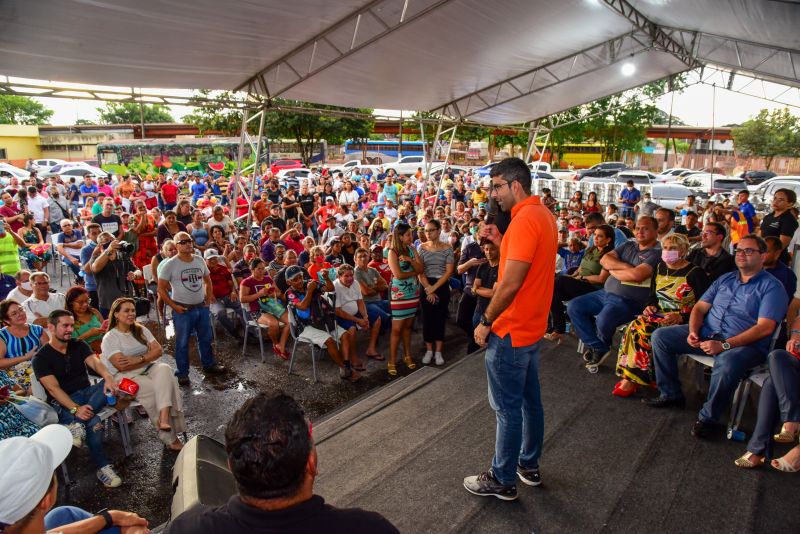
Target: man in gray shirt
(184, 283)
(373, 287)
(596, 315)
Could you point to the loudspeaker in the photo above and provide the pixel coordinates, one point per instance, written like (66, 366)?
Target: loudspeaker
(201, 475)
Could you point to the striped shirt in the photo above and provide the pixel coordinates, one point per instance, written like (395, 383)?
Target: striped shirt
(19, 346)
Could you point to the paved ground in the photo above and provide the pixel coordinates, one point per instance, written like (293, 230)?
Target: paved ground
(609, 464)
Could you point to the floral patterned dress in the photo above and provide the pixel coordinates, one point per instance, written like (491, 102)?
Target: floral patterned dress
(672, 290)
(405, 292)
(12, 422)
(34, 253)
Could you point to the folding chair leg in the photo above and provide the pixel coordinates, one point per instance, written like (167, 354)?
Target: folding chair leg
(291, 358)
(314, 361)
(739, 403)
(124, 431)
(261, 345)
(65, 473)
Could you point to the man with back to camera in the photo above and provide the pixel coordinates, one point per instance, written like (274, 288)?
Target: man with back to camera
(512, 326)
(273, 459)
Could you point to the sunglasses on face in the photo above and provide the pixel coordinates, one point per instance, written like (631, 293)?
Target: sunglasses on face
(183, 241)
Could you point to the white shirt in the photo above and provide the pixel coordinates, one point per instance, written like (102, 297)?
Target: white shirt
(347, 297)
(36, 309)
(37, 205)
(347, 197)
(391, 213)
(17, 296)
(116, 342)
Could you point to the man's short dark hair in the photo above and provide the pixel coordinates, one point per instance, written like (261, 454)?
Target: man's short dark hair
(791, 196)
(670, 213)
(629, 182)
(56, 316)
(513, 170)
(718, 228)
(652, 220)
(774, 241)
(594, 218)
(762, 245)
(268, 443)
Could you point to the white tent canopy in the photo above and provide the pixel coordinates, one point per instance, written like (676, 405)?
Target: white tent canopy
(493, 62)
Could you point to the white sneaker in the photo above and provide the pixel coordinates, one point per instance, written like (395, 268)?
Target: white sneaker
(428, 357)
(78, 434)
(439, 359)
(108, 477)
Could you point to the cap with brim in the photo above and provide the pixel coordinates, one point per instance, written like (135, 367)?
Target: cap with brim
(26, 469)
(211, 254)
(293, 271)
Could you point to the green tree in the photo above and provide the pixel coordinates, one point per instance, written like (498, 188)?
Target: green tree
(86, 122)
(23, 110)
(215, 116)
(769, 134)
(130, 113)
(308, 129)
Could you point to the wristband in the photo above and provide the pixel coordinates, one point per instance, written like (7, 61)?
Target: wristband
(105, 515)
(795, 331)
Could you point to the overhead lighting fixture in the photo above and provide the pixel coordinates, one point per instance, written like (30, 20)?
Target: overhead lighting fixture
(628, 68)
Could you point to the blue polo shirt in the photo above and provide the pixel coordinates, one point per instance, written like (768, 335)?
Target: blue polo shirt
(630, 198)
(737, 306)
(786, 277)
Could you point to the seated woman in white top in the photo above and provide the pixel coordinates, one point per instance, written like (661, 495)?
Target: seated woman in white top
(129, 350)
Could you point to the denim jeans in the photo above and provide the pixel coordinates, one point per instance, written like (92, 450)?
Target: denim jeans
(729, 368)
(379, 309)
(595, 316)
(515, 397)
(219, 310)
(64, 515)
(779, 400)
(197, 320)
(95, 397)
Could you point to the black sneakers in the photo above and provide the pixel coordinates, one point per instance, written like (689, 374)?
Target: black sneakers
(485, 485)
(531, 477)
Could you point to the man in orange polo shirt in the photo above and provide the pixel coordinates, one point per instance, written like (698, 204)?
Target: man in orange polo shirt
(511, 328)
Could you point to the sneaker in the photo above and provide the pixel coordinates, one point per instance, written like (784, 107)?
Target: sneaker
(439, 358)
(184, 381)
(531, 477)
(426, 360)
(78, 434)
(596, 358)
(215, 369)
(485, 485)
(108, 477)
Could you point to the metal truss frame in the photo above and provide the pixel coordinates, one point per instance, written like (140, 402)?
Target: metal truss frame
(354, 32)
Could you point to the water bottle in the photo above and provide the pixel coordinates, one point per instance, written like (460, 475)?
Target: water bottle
(111, 399)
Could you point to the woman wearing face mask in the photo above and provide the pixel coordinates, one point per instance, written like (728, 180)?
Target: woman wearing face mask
(675, 286)
(241, 269)
(318, 267)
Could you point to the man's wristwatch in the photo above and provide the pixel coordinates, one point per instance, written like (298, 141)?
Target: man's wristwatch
(73, 410)
(726, 345)
(105, 515)
(485, 321)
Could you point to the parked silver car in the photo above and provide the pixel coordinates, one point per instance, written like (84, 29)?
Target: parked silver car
(669, 195)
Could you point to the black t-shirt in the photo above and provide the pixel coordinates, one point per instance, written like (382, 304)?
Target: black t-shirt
(714, 266)
(111, 224)
(69, 369)
(682, 229)
(488, 276)
(311, 516)
(277, 222)
(112, 281)
(785, 224)
(186, 220)
(335, 260)
(306, 204)
(274, 195)
(290, 213)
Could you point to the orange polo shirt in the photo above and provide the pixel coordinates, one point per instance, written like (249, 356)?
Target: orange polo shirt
(532, 237)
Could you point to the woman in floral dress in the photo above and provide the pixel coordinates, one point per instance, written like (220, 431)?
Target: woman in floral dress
(675, 287)
(404, 291)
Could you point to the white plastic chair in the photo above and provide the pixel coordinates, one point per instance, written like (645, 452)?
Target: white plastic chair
(250, 323)
(294, 331)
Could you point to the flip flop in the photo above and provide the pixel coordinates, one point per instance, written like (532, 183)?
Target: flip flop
(359, 368)
(379, 357)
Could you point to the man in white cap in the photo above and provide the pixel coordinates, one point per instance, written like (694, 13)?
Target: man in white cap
(29, 488)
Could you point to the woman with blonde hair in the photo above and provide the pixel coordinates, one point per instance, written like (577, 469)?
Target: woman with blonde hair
(130, 351)
(675, 287)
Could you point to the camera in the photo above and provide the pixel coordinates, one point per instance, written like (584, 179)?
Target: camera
(125, 248)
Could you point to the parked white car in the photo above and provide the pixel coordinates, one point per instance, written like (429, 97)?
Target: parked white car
(638, 177)
(7, 170)
(705, 184)
(761, 198)
(63, 169)
(44, 165)
(669, 195)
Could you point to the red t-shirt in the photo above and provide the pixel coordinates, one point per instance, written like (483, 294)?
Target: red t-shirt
(384, 270)
(221, 281)
(313, 269)
(169, 192)
(11, 211)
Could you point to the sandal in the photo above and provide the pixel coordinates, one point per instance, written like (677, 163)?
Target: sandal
(379, 357)
(784, 465)
(746, 463)
(360, 367)
(554, 337)
(785, 436)
(279, 353)
(409, 362)
(391, 369)
(164, 427)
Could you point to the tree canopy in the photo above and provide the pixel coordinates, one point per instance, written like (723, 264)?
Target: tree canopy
(130, 113)
(16, 109)
(769, 134)
(214, 116)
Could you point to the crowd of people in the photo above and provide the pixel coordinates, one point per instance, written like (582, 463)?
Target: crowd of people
(327, 258)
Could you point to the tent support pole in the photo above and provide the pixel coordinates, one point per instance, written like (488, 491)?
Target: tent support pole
(256, 168)
(452, 131)
(239, 160)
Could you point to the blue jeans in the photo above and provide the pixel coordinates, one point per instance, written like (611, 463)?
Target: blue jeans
(197, 320)
(626, 212)
(96, 398)
(220, 311)
(65, 515)
(379, 309)
(729, 368)
(596, 315)
(779, 400)
(515, 397)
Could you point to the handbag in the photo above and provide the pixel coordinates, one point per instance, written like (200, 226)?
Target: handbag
(35, 410)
